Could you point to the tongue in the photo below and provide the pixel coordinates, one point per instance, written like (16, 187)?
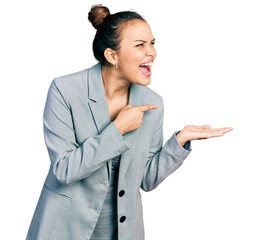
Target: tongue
(145, 71)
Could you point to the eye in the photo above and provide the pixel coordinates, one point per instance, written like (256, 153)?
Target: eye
(152, 43)
(139, 45)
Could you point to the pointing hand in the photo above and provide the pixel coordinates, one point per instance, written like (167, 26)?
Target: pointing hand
(130, 117)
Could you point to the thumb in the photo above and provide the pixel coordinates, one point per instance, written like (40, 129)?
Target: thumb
(205, 127)
(128, 106)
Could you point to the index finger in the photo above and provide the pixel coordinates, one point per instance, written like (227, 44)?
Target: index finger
(147, 107)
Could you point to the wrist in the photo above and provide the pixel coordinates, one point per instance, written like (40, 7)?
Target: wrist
(181, 138)
(118, 127)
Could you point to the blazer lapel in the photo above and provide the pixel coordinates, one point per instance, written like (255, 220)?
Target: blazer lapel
(100, 113)
(130, 137)
(96, 93)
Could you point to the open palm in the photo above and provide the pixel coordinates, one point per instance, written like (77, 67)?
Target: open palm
(192, 132)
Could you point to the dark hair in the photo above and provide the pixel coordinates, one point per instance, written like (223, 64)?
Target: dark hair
(109, 28)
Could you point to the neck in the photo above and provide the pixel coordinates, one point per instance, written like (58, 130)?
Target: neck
(114, 85)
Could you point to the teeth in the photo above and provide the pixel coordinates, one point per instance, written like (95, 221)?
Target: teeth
(146, 64)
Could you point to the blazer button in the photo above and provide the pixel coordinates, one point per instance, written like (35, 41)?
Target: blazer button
(122, 219)
(121, 193)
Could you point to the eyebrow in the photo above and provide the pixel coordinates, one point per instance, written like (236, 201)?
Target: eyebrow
(144, 40)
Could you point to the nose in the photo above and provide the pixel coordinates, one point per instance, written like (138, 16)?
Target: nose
(151, 51)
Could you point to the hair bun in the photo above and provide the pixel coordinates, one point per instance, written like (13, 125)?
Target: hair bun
(97, 15)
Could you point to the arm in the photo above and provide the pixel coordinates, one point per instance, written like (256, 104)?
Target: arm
(162, 161)
(71, 161)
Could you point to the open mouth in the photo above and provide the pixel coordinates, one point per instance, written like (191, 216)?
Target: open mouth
(145, 69)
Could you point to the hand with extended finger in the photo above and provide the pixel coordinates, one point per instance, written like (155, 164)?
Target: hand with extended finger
(130, 117)
(192, 132)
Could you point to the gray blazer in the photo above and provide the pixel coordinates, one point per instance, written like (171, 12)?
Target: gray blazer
(81, 141)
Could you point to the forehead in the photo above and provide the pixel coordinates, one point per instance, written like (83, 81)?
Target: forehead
(136, 30)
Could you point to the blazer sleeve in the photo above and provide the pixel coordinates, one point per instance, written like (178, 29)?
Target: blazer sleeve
(71, 161)
(163, 160)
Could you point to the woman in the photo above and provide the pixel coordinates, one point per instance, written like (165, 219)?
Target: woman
(103, 129)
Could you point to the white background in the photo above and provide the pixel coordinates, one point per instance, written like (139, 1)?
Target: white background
(206, 69)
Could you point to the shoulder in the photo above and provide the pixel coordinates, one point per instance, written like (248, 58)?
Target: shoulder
(71, 82)
(72, 87)
(149, 96)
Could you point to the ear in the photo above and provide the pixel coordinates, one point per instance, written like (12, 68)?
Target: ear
(111, 56)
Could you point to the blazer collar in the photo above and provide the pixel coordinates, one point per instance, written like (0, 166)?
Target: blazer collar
(96, 88)
(100, 112)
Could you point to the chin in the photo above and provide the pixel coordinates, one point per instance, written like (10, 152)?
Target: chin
(146, 81)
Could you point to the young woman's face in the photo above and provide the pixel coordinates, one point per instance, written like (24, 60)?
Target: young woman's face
(136, 53)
